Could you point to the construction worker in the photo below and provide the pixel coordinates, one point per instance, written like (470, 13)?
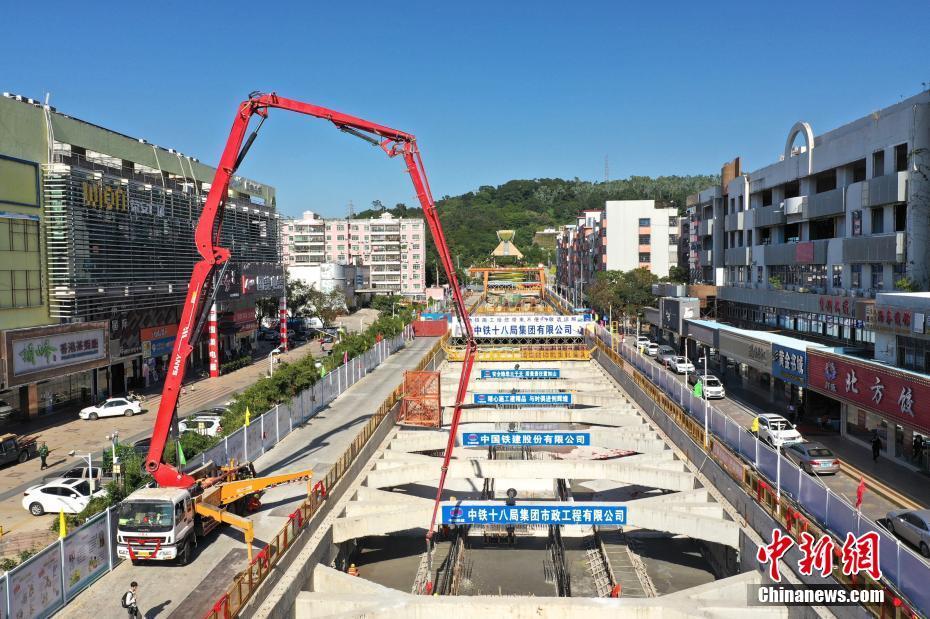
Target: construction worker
(352, 571)
(755, 426)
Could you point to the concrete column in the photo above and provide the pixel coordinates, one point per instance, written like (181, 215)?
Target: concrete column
(918, 206)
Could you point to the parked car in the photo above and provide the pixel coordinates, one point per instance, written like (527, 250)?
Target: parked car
(777, 431)
(111, 407)
(652, 349)
(17, 448)
(813, 458)
(82, 472)
(68, 495)
(912, 526)
(641, 341)
(141, 446)
(207, 425)
(6, 411)
(681, 365)
(665, 354)
(713, 388)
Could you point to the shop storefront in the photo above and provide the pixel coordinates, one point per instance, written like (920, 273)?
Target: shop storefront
(874, 398)
(237, 333)
(703, 337)
(789, 373)
(157, 343)
(56, 366)
(750, 358)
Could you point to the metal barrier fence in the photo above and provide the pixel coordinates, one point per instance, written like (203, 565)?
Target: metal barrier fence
(56, 575)
(247, 582)
(901, 567)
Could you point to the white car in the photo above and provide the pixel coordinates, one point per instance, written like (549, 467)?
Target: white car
(641, 340)
(6, 410)
(652, 349)
(712, 387)
(113, 407)
(777, 431)
(207, 425)
(68, 495)
(680, 365)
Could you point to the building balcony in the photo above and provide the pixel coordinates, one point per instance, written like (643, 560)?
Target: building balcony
(826, 204)
(706, 257)
(738, 256)
(805, 252)
(706, 227)
(795, 205)
(874, 248)
(735, 221)
(766, 216)
(886, 189)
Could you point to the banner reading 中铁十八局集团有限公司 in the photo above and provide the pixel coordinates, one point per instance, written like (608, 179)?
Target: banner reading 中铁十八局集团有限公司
(524, 399)
(525, 326)
(540, 439)
(494, 512)
(522, 373)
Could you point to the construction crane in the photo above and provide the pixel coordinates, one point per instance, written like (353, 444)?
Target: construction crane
(201, 290)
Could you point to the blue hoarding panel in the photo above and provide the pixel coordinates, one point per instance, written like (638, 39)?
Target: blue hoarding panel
(540, 439)
(524, 399)
(556, 513)
(528, 373)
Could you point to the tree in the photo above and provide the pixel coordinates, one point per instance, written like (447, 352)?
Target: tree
(325, 305)
(305, 300)
(677, 275)
(623, 291)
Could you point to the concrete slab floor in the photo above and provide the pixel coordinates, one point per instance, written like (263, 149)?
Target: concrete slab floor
(672, 563)
(390, 560)
(500, 569)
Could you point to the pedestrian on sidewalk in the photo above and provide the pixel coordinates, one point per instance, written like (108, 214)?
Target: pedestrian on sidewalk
(876, 446)
(43, 455)
(130, 602)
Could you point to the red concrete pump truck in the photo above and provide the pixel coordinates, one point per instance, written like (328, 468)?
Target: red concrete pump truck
(201, 290)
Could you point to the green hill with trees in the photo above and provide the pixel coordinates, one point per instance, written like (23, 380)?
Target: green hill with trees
(471, 220)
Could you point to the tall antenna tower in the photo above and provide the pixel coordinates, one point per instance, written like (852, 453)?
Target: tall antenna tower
(606, 170)
(351, 210)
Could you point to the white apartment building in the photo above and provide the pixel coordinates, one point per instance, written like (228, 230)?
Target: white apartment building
(393, 248)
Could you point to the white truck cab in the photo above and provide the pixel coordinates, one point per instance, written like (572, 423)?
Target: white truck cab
(156, 524)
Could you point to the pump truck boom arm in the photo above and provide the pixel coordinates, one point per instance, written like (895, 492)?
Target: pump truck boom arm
(201, 289)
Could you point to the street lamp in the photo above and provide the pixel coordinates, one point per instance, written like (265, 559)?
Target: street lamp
(90, 466)
(274, 351)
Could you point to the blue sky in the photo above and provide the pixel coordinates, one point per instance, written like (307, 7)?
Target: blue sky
(493, 91)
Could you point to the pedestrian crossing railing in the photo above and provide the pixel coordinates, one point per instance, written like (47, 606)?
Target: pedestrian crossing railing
(797, 501)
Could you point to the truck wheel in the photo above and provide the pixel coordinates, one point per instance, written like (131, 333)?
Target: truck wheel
(184, 557)
(36, 509)
(23, 456)
(92, 416)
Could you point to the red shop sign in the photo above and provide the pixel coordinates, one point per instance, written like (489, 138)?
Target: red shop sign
(883, 391)
(837, 305)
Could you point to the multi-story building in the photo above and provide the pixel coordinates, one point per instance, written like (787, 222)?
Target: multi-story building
(96, 250)
(625, 235)
(394, 249)
(830, 244)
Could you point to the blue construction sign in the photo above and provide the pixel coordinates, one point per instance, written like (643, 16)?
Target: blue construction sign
(524, 399)
(539, 439)
(514, 373)
(471, 512)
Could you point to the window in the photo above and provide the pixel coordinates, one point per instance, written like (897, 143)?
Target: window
(878, 163)
(837, 275)
(19, 182)
(792, 189)
(858, 171)
(878, 220)
(856, 272)
(766, 197)
(20, 288)
(825, 181)
(644, 222)
(900, 217)
(732, 205)
(759, 271)
(673, 239)
(341, 237)
(644, 239)
(739, 206)
(673, 221)
(878, 276)
(898, 272)
(644, 257)
(900, 157)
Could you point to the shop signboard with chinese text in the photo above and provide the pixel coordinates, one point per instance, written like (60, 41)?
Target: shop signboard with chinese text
(34, 354)
(538, 439)
(491, 512)
(158, 341)
(746, 349)
(251, 278)
(890, 318)
(886, 391)
(789, 365)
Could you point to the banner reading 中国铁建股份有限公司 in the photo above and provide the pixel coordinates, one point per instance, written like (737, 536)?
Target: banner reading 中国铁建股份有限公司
(540, 439)
(525, 326)
(524, 399)
(522, 373)
(495, 512)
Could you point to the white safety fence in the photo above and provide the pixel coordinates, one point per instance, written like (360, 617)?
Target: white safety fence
(49, 580)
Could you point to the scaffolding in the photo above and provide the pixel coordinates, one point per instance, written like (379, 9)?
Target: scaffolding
(421, 405)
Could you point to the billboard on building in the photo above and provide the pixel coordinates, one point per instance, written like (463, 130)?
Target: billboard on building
(525, 326)
(38, 353)
(746, 349)
(789, 365)
(262, 279)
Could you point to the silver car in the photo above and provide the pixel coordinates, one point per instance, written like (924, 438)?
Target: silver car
(912, 525)
(666, 354)
(813, 458)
